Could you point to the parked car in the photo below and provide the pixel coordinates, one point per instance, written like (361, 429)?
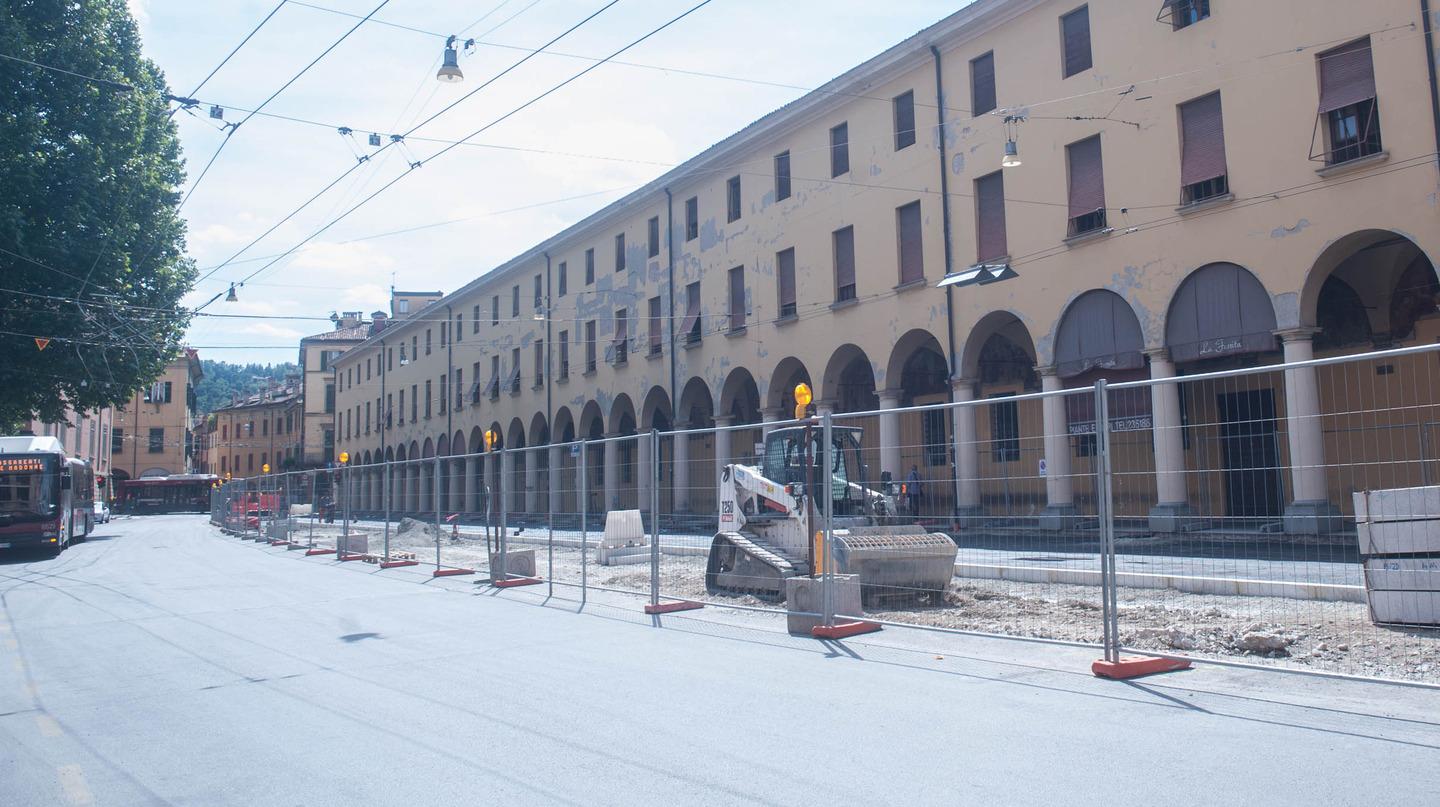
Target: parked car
(102, 511)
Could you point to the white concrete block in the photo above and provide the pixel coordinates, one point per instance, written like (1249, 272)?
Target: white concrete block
(1398, 537)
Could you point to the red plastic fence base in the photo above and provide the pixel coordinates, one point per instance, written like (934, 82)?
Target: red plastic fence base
(451, 572)
(344, 558)
(279, 543)
(671, 607)
(517, 581)
(319, 552)
(395, 564)
(1136, 666)
(843, 630)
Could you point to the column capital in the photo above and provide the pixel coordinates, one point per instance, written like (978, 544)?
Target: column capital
(1157, 353)
(1048, 371)
(773, 413)
(724, 420)
(1301, 334)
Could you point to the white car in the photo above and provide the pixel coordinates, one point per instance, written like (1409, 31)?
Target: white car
(102, 512)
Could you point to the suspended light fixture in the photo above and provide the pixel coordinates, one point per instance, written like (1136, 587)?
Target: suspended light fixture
(449, 72)
(230, 297)
(1012, 155)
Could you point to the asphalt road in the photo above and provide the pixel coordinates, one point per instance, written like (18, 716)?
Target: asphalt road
(163, 663)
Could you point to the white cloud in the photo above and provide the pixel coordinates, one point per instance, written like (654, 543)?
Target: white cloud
(139, 9)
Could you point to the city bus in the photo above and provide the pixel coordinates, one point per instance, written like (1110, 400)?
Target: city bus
(46, 498)
(179, 493)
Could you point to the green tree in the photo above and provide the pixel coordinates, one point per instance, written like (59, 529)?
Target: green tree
(92, 247)
(223, 379)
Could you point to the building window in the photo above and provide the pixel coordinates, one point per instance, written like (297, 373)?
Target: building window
(329, 398)
(494, 377)
(990, 218)
(459, 326)
(690, 328)
(692, 218)
(1348, 110)
(539, 291)
(590, 346)
(1087, 186)
(444, 333)
(402, 407)
(367, 369)
(909, 242)
(785, 275)
(157, 440)
(840, 150)
(563, 276)
(564, 369)
(1202, 150)
(515, 301)
(589, 266)
(620, 252)
(117, 440)
(982, 84)
(367, 417)
(655, 326)
(444, 392)
(514, 384)
(390, 357)
(250, 462)
(933, 430)
(620, 345)
(652, 232)
(475, 319)
(403, 360)
(495, 310)
(415, 402)
(782, 176)
(843, 241)
(1184, 13)
(402, 306)
(904, 109)
(737, 298)
(732, 199)
(539, 362)
(414, 350)
(1004, 431)
(427, 341)
(1075, 41)
(265, 428)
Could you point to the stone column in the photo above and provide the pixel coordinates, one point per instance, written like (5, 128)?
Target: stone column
(610, 465)
(1309, 511)
(1171, 509)
(493, 474)
(769, 417)
(458, 503)
(644, 471)
(681, 476)
(1059, 510)
(723, 454)
(890, 434)
(400, 477)
(426, 504)
(823, 407)
(532, 480)
(472, 484)
(507, 474)
(967, 461)
(556, 456)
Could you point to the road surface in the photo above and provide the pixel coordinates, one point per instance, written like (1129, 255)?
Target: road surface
(164, 663)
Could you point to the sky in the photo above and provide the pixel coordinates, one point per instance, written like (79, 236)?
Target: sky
(526, 178)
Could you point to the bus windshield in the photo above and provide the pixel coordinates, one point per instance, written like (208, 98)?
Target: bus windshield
(28, 486)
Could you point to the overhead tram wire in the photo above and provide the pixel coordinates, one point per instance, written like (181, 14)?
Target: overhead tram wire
(232, 53)
(483, 129)
(399, 138)
(235, 127)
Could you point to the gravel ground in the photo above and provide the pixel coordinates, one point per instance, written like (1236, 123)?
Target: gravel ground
(1328, 636)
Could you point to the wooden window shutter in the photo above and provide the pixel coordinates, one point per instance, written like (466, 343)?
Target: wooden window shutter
(1347, 76)
(1202, 147)
(990, 217)
(1087, 179)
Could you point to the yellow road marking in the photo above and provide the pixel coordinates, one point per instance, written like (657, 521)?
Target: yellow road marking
(48, 726)
(72, 783)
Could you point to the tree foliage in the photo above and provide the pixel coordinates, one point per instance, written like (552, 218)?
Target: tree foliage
(92, 247)
(224, 379)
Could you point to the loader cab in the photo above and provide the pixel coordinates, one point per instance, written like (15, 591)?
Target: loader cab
(785, 461)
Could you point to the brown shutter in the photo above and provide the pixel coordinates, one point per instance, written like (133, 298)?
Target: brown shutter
(1202, 154)
(692, 310)
(912, 256)
(982, 84)
(737, 298)
(786, 268)
(654, 324)
(1075, 27)
(990, 217)
(1087, 178)
(1347, 76)
(621, 328)
(845, 257)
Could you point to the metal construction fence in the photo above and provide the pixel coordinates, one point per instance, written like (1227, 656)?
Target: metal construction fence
(1284, 515)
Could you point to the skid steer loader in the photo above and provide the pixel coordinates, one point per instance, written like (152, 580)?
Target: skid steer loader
(770, 516)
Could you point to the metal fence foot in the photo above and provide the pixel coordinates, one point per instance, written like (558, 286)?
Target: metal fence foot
(671, 607)
(1136, 666)
(843, 630)
(451, 572)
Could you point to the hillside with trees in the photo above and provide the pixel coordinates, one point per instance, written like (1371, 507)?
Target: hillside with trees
(223, 378)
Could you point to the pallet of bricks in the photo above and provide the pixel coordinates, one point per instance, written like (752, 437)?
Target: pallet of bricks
(1399, 535)
(395, 554)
